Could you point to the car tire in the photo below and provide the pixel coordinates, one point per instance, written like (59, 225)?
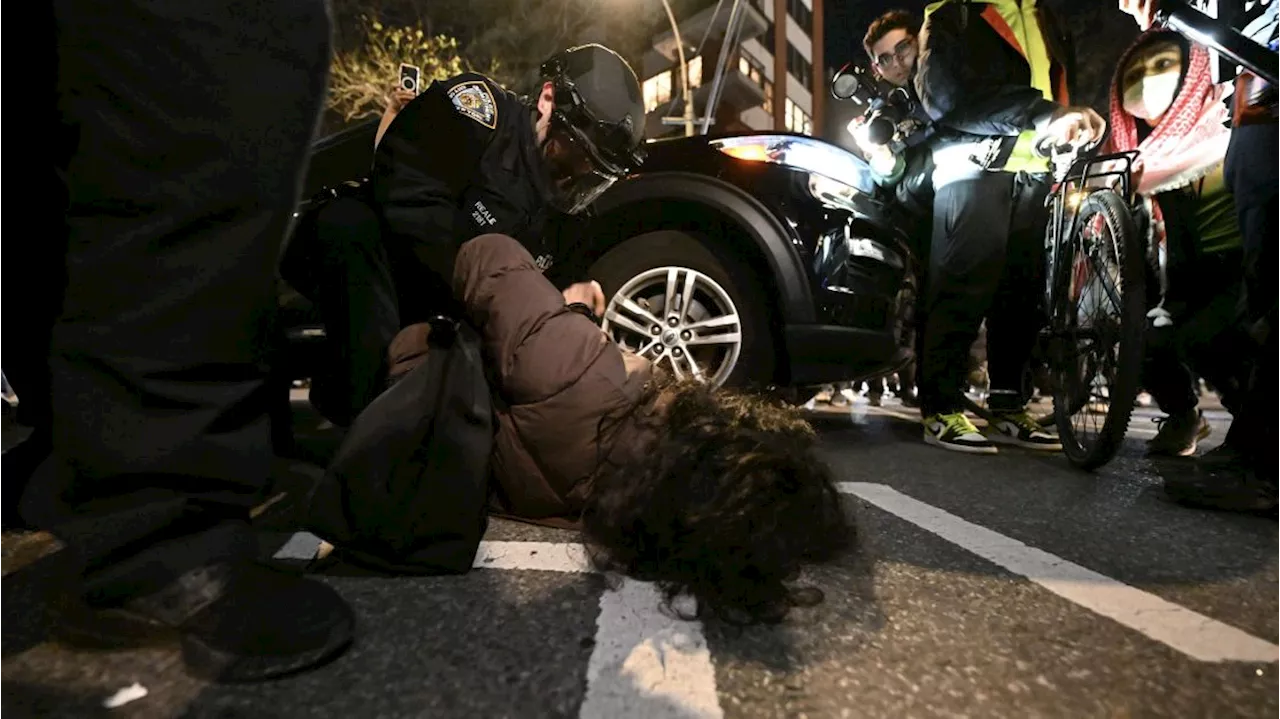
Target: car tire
(634, 257)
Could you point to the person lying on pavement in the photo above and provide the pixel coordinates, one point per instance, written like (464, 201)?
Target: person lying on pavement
(706, 491)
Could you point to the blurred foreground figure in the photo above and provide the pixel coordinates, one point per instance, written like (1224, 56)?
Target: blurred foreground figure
(179, 132)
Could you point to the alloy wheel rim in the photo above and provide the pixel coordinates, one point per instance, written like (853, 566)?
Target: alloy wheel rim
(678, 317)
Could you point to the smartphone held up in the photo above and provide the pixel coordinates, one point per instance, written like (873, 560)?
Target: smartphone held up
(410, 77)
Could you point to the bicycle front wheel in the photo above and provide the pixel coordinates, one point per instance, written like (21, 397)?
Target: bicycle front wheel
(1098, 330)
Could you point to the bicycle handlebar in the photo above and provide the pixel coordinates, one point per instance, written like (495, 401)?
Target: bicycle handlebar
(1183, 19)
(1045, 147)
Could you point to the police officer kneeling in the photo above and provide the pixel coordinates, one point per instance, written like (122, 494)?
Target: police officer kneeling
(464, 158)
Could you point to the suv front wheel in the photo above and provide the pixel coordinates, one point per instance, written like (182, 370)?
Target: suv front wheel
(673, 300)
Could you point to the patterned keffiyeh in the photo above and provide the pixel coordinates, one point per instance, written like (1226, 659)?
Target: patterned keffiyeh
(1190, 140)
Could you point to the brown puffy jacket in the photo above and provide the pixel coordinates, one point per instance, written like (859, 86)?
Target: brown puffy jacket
(566, 397)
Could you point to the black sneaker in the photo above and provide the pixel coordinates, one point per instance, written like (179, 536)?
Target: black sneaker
(1179, 434)
(235, 623)
(955, 432)
(1022, 429)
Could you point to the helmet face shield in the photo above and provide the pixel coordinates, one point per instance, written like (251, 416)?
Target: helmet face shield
(584, 152)
(578, 176)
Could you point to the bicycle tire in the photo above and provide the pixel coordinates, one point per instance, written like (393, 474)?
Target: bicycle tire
(1091, 453)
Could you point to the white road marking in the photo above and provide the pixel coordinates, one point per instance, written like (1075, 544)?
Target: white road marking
(1191, 633)
(646, 664)
(544, 556)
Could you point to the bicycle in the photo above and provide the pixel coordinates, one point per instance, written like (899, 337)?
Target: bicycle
(1095, 297)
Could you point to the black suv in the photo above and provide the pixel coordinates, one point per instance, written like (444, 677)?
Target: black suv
(763, 259)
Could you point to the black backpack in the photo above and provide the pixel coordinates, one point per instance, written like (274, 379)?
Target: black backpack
(407, 491)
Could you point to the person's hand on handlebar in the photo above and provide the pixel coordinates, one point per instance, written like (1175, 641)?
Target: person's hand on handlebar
(1075, 126)
(1143, 11)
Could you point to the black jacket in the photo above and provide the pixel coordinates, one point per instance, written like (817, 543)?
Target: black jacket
(460, 160)
(976, 85)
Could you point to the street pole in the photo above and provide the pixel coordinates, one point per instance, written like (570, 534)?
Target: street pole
(736, 13)
(684, 71)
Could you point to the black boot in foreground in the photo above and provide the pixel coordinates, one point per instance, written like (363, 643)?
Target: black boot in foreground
(235, 622)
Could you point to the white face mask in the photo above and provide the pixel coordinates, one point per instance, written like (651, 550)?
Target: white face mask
(1153, 96)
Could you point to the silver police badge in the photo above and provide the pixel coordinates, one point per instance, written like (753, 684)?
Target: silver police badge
(473, 99)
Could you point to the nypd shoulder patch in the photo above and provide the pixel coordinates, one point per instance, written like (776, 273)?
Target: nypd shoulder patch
(474, 100)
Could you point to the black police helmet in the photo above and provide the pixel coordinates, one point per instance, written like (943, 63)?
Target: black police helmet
(598, 99)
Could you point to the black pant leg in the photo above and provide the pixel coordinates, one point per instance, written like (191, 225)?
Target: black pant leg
(357, 301)
(1252, 176)
(907, 378)
(971, 223)
(191, 126)
(1254, 180)
(1165, 375)
(1017, 314)
(1216, 349)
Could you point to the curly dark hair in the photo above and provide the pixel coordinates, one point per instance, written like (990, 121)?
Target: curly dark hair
(887, 23)
(725, 505)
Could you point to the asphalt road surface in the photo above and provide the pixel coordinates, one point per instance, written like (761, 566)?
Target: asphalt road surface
(1005, 586)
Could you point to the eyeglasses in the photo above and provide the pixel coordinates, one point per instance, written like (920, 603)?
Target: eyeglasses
(902, 52)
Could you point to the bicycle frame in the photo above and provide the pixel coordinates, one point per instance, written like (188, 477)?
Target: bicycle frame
(1072, 178)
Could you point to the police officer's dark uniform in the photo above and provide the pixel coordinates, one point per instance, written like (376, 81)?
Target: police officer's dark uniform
(461, 160)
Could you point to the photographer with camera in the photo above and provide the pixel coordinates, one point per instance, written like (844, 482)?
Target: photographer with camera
(893, 136)
(993, 76)
(891, 146)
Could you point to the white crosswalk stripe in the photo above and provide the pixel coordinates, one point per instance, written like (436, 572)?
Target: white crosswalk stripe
(1191, 633)
(645, 662)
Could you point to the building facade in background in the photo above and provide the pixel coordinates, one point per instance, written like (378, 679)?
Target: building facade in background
(773, 79)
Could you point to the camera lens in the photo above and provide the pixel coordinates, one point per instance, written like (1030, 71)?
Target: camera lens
(407, 83)
(880, 130)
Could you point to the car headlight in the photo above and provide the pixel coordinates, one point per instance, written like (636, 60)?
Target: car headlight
(801, 153)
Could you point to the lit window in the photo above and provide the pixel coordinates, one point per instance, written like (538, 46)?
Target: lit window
(768, 97)
(750, 70)
(657, 90)
(797, 120)
(695, 71)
